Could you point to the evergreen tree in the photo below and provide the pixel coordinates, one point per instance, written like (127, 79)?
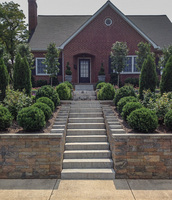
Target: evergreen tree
(166, 80)
(4, 78)
(18, 74)
(148, 76)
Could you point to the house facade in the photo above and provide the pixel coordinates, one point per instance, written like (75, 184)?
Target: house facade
(85, 41)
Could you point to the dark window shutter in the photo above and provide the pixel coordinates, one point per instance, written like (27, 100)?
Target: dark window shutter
(60, 67)
(34, 68)
(110, 68)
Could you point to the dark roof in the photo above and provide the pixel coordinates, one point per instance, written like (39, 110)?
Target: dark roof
(58, 29)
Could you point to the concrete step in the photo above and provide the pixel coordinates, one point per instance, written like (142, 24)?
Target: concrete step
(57, 130)
(86, 131)
(117, 131)
(60, 123)
(87, 163)
(86, 120)
(87, 154)
(85, 115)
(87, 138)
(85, 110)
(101, 174)
(86, 125)
(87, 146)
(57, 126)
(115, 126)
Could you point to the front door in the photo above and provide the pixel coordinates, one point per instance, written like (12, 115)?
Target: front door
(84, 70)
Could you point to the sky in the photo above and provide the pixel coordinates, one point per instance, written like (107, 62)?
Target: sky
(89, 7)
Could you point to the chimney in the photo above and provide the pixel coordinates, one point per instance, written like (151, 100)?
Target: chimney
(32, 5)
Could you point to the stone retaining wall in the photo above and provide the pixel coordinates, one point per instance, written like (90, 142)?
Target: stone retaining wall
(31, 155)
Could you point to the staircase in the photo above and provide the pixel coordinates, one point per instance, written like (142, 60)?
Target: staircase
(87, 154)
(84, 92)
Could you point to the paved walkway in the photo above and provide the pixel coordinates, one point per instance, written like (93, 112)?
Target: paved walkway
(85, 189)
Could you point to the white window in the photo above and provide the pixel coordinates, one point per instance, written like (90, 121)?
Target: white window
(131, 66)
(40, 67)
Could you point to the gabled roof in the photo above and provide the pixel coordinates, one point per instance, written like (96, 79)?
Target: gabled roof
(156, 29)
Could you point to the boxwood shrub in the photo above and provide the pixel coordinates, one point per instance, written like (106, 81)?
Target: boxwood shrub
(48, 91)
(64, 91)
(100, 85)
(129, 107)
(69, 84)
(31, 119)
(124, 92)
(143, 120)
(107, 92)
(168, 119)
(121, 103)
(5, 118)
(45, 108)
(47, 101)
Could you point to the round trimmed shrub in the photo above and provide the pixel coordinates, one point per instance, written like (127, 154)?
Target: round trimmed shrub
(143, 120)
(130, 107)
(48, 91)
(107, 92)
(124, 92)
(168, 119)
(31, 119)
(100, 85)
(69, 84)
(121, 103)
(47, 101)
(64, 91)
(45, 108)
(5, 118)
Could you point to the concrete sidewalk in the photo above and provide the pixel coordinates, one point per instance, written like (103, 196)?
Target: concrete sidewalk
(85, 189)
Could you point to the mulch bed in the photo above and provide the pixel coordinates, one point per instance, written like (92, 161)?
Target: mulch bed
(161, 128)
(15, 128)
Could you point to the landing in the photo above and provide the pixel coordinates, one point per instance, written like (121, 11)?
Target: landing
(84, 88)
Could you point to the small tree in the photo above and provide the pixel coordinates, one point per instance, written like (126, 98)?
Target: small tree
(102, 70)
(3, 79)
(118, 57)
(166, 80)
(148, 76)
(144, 49)
(22, 75)
(68, 69)
(51, 61)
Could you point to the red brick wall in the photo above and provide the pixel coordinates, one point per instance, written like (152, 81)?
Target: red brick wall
(32, 15)
(97, 39)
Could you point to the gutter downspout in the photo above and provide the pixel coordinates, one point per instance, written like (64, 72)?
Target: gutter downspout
(63, 64)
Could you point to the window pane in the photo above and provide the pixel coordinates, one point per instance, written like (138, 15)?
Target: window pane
(40, 66)
(128, 67)
(135, 65)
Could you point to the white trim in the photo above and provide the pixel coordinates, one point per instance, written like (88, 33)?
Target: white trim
(37, 58)
(132, 72)
(63, 69)
(82, 58)
(108, 3)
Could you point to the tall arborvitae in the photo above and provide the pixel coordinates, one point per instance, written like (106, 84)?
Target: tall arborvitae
(4, 78)
(148, 76)
(166, 80)
(22, 75)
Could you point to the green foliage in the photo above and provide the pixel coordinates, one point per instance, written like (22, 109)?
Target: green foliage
(148, 76)
(48, 91)
(143, 120)
(47, 101)
(5, 118)
(3, 79)
(13, 29)
(31, 119)
(118, 57)
(148, 97)
(107, 92)
(124, 92)
(114, 79)
(129, 107)
(166, 80)
(45, 108)
(64, 91)
(100, 85)
(40, 83)
(132, 81)
(121, 103)
(102, 70)
(144, 49)
(15, 101)
(51, 61)
(168, 119)
(167, 53)
(69, 84)
(68, 69)
(55, 81)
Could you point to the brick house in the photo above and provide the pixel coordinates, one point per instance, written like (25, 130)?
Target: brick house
(85, 41)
